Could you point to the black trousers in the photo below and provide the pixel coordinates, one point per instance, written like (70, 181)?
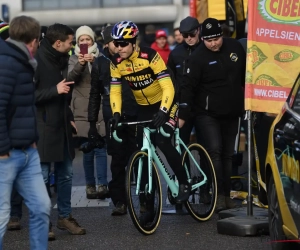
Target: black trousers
(120, 154)
(218, 137)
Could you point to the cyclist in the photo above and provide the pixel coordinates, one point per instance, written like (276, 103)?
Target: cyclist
(152, 87)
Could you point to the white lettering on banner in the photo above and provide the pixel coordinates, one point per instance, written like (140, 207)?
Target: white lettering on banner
(280, 94)
(277, 34)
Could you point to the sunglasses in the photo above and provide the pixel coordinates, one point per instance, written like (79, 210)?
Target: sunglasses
(192, 34)
(122, 44)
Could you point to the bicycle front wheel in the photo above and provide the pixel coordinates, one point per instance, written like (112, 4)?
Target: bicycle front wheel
(202, 201)
(144, 207)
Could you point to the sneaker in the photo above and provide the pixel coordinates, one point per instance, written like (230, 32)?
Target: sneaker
(183, 193)
(91, 192)
(220, 204)
(102, 192)
(14, 223)
(71, 225)
(120, 209)
(51, 235)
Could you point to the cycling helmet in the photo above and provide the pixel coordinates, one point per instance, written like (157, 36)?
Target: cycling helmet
(124, 30)
(4, 27)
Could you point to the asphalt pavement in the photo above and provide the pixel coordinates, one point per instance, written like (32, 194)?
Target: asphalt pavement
(107, 232)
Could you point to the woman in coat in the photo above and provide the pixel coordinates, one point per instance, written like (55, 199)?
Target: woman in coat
(80, 66)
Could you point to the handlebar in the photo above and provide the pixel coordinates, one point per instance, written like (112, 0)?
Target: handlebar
(115, 136)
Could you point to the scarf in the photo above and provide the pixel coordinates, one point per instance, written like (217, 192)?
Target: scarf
(91, 50)
(59, 59)
(23, 47)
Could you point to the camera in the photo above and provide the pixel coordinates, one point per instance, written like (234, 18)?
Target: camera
(94, 142)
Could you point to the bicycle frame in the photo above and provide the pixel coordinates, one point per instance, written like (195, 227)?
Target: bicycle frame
(155, 157)
(179, 142)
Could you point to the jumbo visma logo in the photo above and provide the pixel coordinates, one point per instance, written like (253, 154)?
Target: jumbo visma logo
(280, 11)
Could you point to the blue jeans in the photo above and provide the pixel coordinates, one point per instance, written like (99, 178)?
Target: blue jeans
(101, 166)
(63, 176)
(23, 171)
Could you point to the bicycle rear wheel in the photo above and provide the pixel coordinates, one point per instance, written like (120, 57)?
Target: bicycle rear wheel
(202, 201)
(144, 208)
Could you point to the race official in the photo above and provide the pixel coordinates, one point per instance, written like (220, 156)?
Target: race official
(190, 30)
(213, 88)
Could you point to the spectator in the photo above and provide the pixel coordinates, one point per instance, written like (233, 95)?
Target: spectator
(213, 88)
(16, 198)
(161, 45)
(120, 152)
(55, 120)
(171, 42)
(19, 159)
(80, 66)
(149, 36)
(177, 35)
(98, 38)
(190, 30)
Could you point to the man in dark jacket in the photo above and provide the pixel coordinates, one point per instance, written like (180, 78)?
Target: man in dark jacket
(149, 36)
(213, 88)
(19, 159)
(55, 120)
(16, 198)
(120, 152)
(190, 30)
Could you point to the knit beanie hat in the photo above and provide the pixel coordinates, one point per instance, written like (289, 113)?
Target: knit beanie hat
(85, 30)
(106, 34)
(4, 27)
(211, 28)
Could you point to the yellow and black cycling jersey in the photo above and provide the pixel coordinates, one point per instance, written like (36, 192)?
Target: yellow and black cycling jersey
(147, 76)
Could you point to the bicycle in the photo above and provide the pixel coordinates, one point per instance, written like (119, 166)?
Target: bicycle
(144, 188)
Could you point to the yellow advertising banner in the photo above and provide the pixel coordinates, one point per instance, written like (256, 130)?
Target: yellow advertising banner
(273, 53)
(217, 9)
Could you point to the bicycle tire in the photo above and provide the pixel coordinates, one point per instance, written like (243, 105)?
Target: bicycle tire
(145, 217)
(208, 190)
